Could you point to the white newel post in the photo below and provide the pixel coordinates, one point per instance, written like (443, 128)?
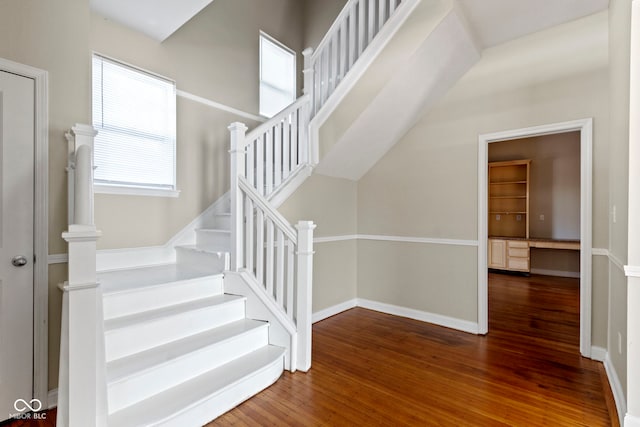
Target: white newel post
(238, 131)
(305, 288)
(82, 384)
(308, 74)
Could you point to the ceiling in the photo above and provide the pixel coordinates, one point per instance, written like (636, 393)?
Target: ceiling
(156, 18)
(491, 21)
(497, 21)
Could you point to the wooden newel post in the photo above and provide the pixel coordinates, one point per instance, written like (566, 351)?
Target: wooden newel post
(305, 288)
(82, 384)
(238, 131)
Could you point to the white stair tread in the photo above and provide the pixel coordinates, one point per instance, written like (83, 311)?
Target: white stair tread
(125, 280)
(214, 230)
(124, 321)
(197, 249)
(192, 392)
(149, 359)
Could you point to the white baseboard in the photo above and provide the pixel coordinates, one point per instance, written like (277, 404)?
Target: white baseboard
(424, 316)
(616, 389)
(333, 310)
(631, 421)
(52, 399)
(598, 353)
(556, 273)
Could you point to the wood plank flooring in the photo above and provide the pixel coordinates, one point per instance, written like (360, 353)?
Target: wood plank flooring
(374, 369)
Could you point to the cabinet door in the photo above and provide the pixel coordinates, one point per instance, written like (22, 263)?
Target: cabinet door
(497, 253)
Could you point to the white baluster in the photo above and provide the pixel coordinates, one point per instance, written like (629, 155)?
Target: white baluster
(295, 140)
(352, 34)
(277, 154)
(238, 131)
(269, 260)
(333, 73)
(268, 142)
(371, 26)
(304, 300)
(280, 268)
(382, 12)
(248, 233)
(290, 279)
(286, 140)
(260, 163)
(362, 23)
(392, 7)
(342, 68)
(307, 72)
(260, 245)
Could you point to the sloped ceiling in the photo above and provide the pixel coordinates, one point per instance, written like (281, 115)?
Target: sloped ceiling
(156, 18)
(497, 21)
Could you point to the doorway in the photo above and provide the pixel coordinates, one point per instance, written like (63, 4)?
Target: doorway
(23, 238)
(584, 127)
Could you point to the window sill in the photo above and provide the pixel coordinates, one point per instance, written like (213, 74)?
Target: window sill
(134, 191)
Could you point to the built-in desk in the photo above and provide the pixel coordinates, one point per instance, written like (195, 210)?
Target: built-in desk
(513, 254)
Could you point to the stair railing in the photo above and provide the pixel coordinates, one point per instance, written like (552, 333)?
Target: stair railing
(82, 376)
(267, 247)
(353, 30)
(265, 160)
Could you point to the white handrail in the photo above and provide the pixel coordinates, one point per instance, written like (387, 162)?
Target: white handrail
(255, 133)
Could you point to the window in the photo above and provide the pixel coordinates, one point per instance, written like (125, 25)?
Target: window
(277, 76)
(134, 113)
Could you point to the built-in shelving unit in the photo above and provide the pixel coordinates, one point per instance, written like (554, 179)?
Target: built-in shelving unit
(509, 199)
(508, 247)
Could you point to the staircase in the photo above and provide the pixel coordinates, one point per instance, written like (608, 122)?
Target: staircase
(179, 344)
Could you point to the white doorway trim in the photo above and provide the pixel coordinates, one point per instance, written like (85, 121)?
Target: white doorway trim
(585, 126)
(41, 227)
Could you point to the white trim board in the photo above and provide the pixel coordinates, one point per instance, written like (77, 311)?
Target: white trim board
(631, 270)
(616, 388)
(58, 259)
(41, 224)
(631, 421)
(219, 106)
(410, 313)
(585, 126)
(403, 239)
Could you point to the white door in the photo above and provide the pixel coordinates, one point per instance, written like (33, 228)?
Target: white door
(16, 241)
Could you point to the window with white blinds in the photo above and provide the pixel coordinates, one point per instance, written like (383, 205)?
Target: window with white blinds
(277, 76)
(134, 113)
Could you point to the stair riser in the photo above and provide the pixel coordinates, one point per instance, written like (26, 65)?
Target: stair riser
(214, 263)
(204, 411)
(222, 222)
(139, 337)
(128, 391)
(219, 241)
(125, 303)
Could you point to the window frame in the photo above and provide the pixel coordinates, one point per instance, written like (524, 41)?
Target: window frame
(294, 73)
(132, 188)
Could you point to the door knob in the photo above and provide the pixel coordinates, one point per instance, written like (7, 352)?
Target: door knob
(19, 260)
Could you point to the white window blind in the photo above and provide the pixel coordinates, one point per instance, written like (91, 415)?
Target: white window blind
(134, 113)
(277, 76)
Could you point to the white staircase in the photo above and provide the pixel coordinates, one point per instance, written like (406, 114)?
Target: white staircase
(164, 345)
(179, 351)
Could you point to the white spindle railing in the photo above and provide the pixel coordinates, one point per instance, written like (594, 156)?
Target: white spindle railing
(276, 149)
(264, 243)
(352, 31)
(82, 385)
(263, 161)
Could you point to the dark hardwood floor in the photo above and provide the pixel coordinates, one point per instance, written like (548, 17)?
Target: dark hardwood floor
(374, 369)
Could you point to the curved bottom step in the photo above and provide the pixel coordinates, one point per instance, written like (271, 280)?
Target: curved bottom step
(202, 399)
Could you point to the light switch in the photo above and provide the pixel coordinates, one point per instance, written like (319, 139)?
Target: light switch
(541, 217)
(518, 217)
(497, 217)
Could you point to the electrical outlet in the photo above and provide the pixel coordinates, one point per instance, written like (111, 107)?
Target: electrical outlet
(619, 343)
(613, 214)
(497, 217)
(541, 217)
(518, 217)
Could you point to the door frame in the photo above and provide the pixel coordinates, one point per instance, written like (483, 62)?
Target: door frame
(585, 127)
(41, 226)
